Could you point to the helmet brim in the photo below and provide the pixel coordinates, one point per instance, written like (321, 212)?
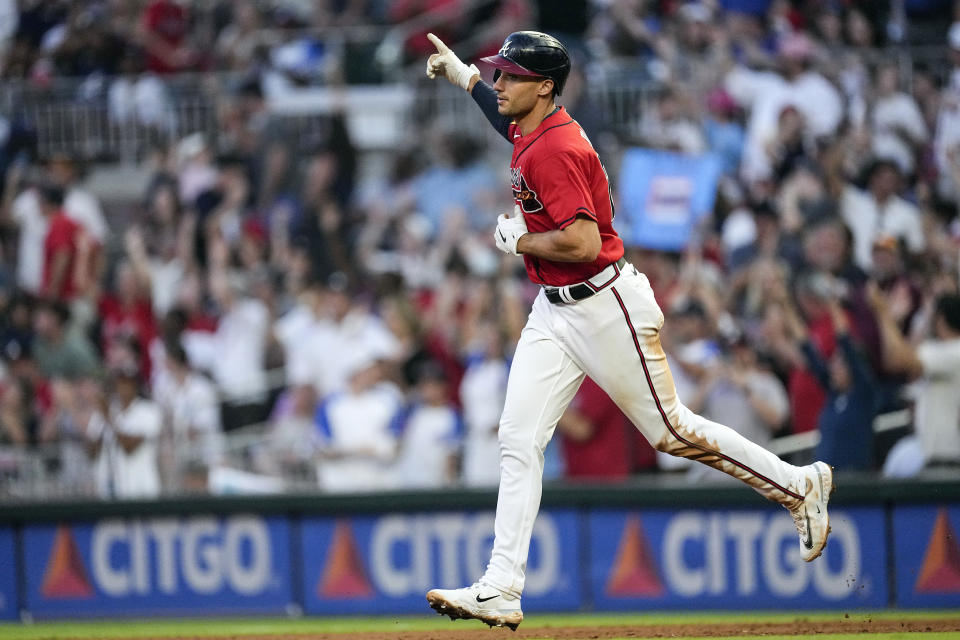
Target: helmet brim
(509, 66)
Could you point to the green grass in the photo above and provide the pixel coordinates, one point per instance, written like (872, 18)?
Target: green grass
(238, 626)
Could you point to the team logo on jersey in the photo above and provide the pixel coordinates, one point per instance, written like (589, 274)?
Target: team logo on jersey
(523, 194)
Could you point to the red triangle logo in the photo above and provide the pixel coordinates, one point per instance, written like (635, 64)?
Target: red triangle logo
(65, 576)
(635, 572)
(344, 576)
(940, 572)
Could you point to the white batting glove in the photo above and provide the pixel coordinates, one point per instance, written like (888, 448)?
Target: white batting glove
(445, 62)
(509, 231)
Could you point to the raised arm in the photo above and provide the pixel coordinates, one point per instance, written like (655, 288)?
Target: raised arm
(446, 63)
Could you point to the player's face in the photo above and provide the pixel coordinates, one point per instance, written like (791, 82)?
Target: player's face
(517, 95)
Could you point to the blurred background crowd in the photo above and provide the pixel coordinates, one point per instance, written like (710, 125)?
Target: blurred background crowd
(233, 260)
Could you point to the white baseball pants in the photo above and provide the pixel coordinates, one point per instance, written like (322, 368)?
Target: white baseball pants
(614, 337)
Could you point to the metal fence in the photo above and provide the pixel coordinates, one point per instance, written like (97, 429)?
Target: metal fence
(79, 117)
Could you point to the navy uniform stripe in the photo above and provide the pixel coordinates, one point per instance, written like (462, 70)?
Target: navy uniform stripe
(666, 421)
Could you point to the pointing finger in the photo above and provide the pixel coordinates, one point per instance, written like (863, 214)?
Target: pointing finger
(438, 43)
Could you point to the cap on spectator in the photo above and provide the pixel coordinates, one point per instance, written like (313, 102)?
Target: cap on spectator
(953, 36)
(719, 101)
(796, 46)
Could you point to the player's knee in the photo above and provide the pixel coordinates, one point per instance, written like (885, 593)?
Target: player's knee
(514, 440)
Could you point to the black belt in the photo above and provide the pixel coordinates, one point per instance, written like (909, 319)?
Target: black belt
(582, 290)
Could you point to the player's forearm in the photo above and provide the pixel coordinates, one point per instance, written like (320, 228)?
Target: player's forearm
(553, 245)
(580, 242)
(486, 98)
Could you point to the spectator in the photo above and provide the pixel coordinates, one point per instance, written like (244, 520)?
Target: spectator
(21, 209)
(430, 433)
(765, 95)
(239, 40)
(79, 203)
(669, 126)
(482, 390)
(140, 100)
(164, 33)
(345, 327)
(898, 126)
(881, 210)
(63, 429)
(846, 420)
(725, 135)
(738, 390)
(191, 411)
(356, 438)
(935, 362)
(17, 423)
(61, 248)
(599, 443)
(125, 312)
(286, 450)
(60, 352)
(239, 364)
(123, 437)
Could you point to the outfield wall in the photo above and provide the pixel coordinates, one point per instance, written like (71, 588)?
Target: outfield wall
(644, 546)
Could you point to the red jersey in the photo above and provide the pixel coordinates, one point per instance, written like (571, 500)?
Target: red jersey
(61, 237)
(556, 177)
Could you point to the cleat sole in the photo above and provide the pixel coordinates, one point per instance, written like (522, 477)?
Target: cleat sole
(455, 612)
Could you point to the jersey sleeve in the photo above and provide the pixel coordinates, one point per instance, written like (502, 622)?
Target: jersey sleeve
(564, 190)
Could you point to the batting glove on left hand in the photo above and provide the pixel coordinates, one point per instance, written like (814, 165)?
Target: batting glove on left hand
(509, 231)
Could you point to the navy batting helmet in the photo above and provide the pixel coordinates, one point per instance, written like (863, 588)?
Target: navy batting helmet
(532, 53)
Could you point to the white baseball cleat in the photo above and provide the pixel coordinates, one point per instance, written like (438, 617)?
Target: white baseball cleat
(480, 602)
(810, 516)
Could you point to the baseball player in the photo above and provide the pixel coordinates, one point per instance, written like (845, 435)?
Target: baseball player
(595, 315)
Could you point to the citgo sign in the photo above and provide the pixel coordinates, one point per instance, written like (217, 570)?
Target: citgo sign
(9, 607)
(928, 555)
(386, 564)
(733, 559)
(151, 565)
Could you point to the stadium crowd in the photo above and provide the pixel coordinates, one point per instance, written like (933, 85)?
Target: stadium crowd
(354, 333)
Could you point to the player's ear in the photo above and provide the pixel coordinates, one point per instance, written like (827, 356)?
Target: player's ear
(546, 87)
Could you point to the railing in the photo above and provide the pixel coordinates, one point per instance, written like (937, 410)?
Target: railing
(248, 464)
(77, 117)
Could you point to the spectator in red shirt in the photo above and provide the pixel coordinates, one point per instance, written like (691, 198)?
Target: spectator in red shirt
(60, 246)
(598, 440)
(163, 30)
(126, 312)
